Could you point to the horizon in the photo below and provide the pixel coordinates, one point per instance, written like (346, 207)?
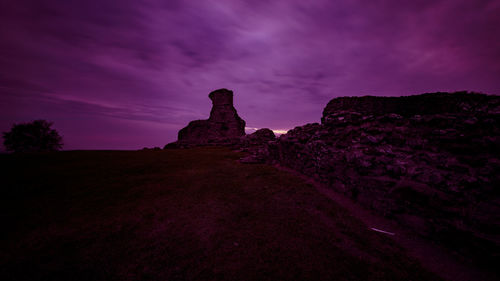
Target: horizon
(129, 75)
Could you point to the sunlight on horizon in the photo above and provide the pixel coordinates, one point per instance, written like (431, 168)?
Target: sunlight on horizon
(278, 132)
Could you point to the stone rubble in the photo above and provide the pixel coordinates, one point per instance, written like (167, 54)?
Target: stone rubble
(256, 144)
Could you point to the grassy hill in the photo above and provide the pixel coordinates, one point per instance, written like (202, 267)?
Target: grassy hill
(193, 214)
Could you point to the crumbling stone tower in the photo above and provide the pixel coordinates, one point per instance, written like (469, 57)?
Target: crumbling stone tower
(223, 126)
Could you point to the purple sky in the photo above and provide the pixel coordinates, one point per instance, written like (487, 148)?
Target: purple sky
(126, 74)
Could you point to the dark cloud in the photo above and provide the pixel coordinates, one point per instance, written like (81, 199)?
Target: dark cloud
(145, 68)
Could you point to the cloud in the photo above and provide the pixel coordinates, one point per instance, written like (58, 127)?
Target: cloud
(156, 61)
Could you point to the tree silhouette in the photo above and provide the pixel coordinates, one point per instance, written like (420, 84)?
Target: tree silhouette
(32, 137)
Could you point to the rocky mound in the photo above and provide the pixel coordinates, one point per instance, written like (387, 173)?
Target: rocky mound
(256, 143)
(258, 138)
(224, 126)
(431, 162)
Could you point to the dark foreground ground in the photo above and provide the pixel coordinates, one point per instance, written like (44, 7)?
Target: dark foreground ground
(195, 214)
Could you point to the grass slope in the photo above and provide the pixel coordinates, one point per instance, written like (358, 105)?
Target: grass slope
(195, 214)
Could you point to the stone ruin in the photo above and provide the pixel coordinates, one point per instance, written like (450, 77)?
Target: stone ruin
(223, 127)
(430, 162)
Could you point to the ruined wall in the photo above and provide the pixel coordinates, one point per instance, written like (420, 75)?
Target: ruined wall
(431, 162)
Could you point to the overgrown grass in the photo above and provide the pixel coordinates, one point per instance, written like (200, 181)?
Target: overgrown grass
(195, 214)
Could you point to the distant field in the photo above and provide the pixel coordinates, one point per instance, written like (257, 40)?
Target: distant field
(195, 214)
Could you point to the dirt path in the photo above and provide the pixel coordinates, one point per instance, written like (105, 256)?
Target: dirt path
(432, 257)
